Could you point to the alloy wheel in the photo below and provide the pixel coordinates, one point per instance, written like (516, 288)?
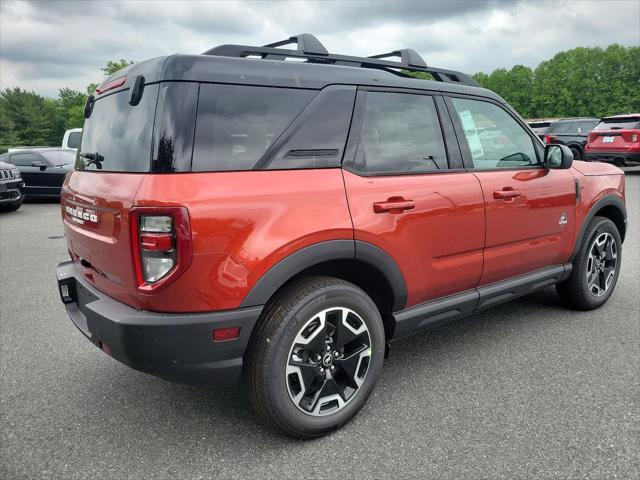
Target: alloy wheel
(601, 264)
(328, 361)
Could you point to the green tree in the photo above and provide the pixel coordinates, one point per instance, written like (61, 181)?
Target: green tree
(113, 66)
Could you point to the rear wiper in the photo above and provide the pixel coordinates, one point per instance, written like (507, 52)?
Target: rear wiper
(94, 158)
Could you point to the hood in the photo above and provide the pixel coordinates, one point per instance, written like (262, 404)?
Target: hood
(596, 168)
(6, 166)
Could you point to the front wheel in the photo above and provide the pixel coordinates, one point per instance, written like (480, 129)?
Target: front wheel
(315, 356)
(595, 268)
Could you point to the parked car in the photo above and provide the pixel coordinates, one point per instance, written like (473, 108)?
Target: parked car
(11, 195)
(289, 220)
(71, 139)
(572, 132)
(616, 140)
(540, 127)
(43, 169)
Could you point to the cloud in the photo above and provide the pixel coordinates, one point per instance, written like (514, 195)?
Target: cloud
(48, 45)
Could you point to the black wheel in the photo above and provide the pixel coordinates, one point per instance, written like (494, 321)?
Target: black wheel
(314, 357)
(595, 268)
(577, 153)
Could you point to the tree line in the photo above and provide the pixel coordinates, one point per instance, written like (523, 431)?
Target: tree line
(592, 82)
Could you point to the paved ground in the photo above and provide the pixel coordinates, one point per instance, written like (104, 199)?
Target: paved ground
(527, 390)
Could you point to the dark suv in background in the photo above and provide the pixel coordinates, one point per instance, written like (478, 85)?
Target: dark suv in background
(42, 169)
(11, 196)
(572, 132)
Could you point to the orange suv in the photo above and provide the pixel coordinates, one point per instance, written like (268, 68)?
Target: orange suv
(236, 213)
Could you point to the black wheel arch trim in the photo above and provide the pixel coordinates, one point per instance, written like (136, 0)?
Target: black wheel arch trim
(318, 253)
(609, 200)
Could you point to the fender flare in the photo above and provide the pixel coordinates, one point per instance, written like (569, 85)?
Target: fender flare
(609, 200)
(306, 257)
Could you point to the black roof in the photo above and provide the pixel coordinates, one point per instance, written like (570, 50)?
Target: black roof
(233, 64)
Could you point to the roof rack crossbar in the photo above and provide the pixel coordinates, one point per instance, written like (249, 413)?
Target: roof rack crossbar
(309, 48)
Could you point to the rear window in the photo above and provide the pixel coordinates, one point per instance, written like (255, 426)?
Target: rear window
(120, 134)
(235, 125)
(563, 127)
(622, 123)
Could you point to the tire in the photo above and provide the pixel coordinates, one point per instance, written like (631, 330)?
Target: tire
(578, 291)
(577, 153)
(278, 368)
(11, 207)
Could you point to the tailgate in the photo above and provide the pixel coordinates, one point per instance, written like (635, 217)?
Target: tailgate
(95, 212)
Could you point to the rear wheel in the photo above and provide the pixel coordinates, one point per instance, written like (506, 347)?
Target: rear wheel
(577, 153)
(315, 356)
(595, 268)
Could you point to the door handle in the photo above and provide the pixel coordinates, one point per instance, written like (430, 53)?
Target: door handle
(506, 193)
(394, 205)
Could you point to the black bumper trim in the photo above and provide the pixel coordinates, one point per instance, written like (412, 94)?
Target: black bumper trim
(624, 159)
(176, 347)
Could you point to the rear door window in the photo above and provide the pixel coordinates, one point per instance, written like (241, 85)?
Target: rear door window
(235, 124)
(74, 139)
(118, 133)
(400, 133)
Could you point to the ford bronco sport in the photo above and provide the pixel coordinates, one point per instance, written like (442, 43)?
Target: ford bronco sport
(233, 213)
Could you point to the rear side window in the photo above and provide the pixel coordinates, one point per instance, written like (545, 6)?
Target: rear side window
(74, 139)
(622, 123)
(400, 133)
(563, 127)
(235, 124)
(118, 133)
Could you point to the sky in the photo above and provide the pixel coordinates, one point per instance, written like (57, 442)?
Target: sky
(45, 46)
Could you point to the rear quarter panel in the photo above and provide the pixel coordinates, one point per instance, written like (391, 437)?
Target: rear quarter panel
(242, 224)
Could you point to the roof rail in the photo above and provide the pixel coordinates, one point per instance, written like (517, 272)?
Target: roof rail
(310, 48)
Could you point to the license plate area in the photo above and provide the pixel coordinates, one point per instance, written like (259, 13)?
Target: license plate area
(608, 139)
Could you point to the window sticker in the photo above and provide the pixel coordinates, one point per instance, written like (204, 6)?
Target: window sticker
(471, 132)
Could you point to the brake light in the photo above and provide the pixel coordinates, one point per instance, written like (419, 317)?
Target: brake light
(161, 244)
(118, 82)
(549, 139)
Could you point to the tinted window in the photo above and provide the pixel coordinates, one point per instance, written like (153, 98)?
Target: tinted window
(495, 139)
(587, 126)
(120, 133)
(627, 123)
(400, 133)
(174, 126)
(236, 124)
(26, 159)
(74, 139)
(60, 157)
(563, 127)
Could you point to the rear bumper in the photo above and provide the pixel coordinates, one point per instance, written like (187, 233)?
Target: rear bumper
(176, 347)
(626, 159)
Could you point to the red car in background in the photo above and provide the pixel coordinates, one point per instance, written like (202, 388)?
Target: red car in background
(615, 140)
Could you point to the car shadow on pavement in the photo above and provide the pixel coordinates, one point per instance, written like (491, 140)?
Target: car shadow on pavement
(195, 412)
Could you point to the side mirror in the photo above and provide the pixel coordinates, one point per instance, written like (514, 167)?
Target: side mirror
(558, 156)
(42, 165)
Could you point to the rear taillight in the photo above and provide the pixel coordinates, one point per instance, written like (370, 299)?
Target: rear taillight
(161, 238)
(634, 137)
(549, 139)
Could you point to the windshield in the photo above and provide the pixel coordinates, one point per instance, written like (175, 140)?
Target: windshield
(119, 135)
(621, 123)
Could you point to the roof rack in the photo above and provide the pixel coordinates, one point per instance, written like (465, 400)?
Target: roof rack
(310, 48)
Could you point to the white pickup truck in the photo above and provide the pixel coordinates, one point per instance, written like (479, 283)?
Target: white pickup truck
(71, 139)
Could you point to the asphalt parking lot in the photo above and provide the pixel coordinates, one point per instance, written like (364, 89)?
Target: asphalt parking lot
(526, 390)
